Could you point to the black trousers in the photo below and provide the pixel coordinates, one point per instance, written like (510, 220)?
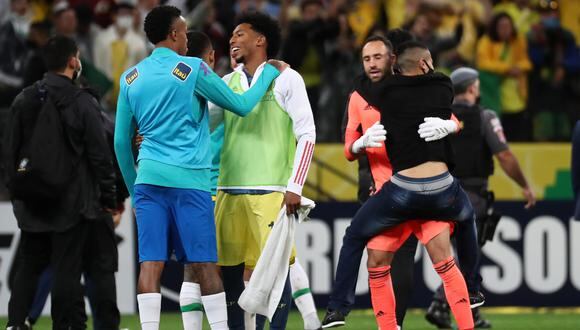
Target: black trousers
(100, 265)
(63, 252)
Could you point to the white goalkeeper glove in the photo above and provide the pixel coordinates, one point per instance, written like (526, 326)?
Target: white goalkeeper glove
(371, 139)
(434, 128)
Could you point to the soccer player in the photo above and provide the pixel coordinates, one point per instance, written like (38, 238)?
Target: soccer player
(264, 163)
(421, 187)
(198, 45)
(165, 96)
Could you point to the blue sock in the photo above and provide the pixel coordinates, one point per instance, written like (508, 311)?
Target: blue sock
(260, 322)
(233, 280)
(281, 316)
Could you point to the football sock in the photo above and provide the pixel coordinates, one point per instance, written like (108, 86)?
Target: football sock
(303, 296)
(149, 310)
(191, 306)
(216, 311)
(383, 297)
(456, 292)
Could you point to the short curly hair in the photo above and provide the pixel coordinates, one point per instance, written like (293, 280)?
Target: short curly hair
(266, 26)
(159, 21)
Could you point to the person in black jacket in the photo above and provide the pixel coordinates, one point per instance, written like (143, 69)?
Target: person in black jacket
(481, 139)
(55, 234)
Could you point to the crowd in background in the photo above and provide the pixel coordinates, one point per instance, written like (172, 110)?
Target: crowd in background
(526, 50)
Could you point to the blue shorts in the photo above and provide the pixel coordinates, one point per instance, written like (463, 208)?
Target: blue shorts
(175, 220)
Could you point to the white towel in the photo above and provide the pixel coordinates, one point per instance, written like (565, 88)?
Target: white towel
(263, 292)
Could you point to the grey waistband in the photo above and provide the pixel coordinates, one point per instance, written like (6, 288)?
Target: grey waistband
(425, 186)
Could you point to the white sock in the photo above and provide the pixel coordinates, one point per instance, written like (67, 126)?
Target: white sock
(149, 310)
(303, 297)
(249, 318)
(191, 307)
(216, 310)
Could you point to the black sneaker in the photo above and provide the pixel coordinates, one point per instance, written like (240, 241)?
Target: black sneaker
(479, 321)
(333, 319)
(476, 299)
(438, 314)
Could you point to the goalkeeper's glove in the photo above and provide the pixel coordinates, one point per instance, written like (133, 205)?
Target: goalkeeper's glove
(434, 128)
(371, 139)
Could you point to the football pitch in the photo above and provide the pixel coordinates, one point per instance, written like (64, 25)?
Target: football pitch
(501, 318)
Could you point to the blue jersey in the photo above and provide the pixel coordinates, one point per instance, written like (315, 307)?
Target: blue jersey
(165, 97)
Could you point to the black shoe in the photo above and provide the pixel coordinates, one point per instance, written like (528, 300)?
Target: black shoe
(29, 323)
(18, 327)
(438, 315)
(479, 321)
(476, 299)
(333, 319)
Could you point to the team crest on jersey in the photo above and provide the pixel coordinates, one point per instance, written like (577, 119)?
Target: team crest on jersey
(131, 76)
(181, 71)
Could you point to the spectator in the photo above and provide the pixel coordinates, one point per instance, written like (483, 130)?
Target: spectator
(53, 230)
(305, 47)
(521, 13)
(87, 30)
(569, 13)
(4, 10)
(143, 8)
(502, 58)
(13, 49)
(65, 20)
(473, 14)
(35, 67)
(363, 18)
(204, 18)
(554, 54)
(118, 47)
(423, 28)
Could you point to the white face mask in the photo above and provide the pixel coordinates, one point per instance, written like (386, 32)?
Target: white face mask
(125, 22)
(78, 72)
(21, 25)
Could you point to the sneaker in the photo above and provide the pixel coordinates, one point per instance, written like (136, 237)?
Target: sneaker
(476, 299)
(333, 319)
(438, 314)
(28, 323)
(479, 321)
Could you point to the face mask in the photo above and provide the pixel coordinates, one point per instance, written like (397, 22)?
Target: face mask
(78, 72)
(431, 70)
(396, 69)
(551, 22)
(21, 26)
(125, 22)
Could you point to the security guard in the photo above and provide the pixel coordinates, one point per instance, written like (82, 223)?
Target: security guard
(480, 139)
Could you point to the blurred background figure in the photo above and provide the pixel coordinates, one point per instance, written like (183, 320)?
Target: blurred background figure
(118, 47)
(502, 59)
(13, 49)
(64, 19)
(556, 64)
(35, 68)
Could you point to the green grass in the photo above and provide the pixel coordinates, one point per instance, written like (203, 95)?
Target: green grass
(502, 319)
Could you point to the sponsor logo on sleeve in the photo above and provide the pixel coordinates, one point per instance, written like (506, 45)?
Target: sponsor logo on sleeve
(131, 76)
(181, 71)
